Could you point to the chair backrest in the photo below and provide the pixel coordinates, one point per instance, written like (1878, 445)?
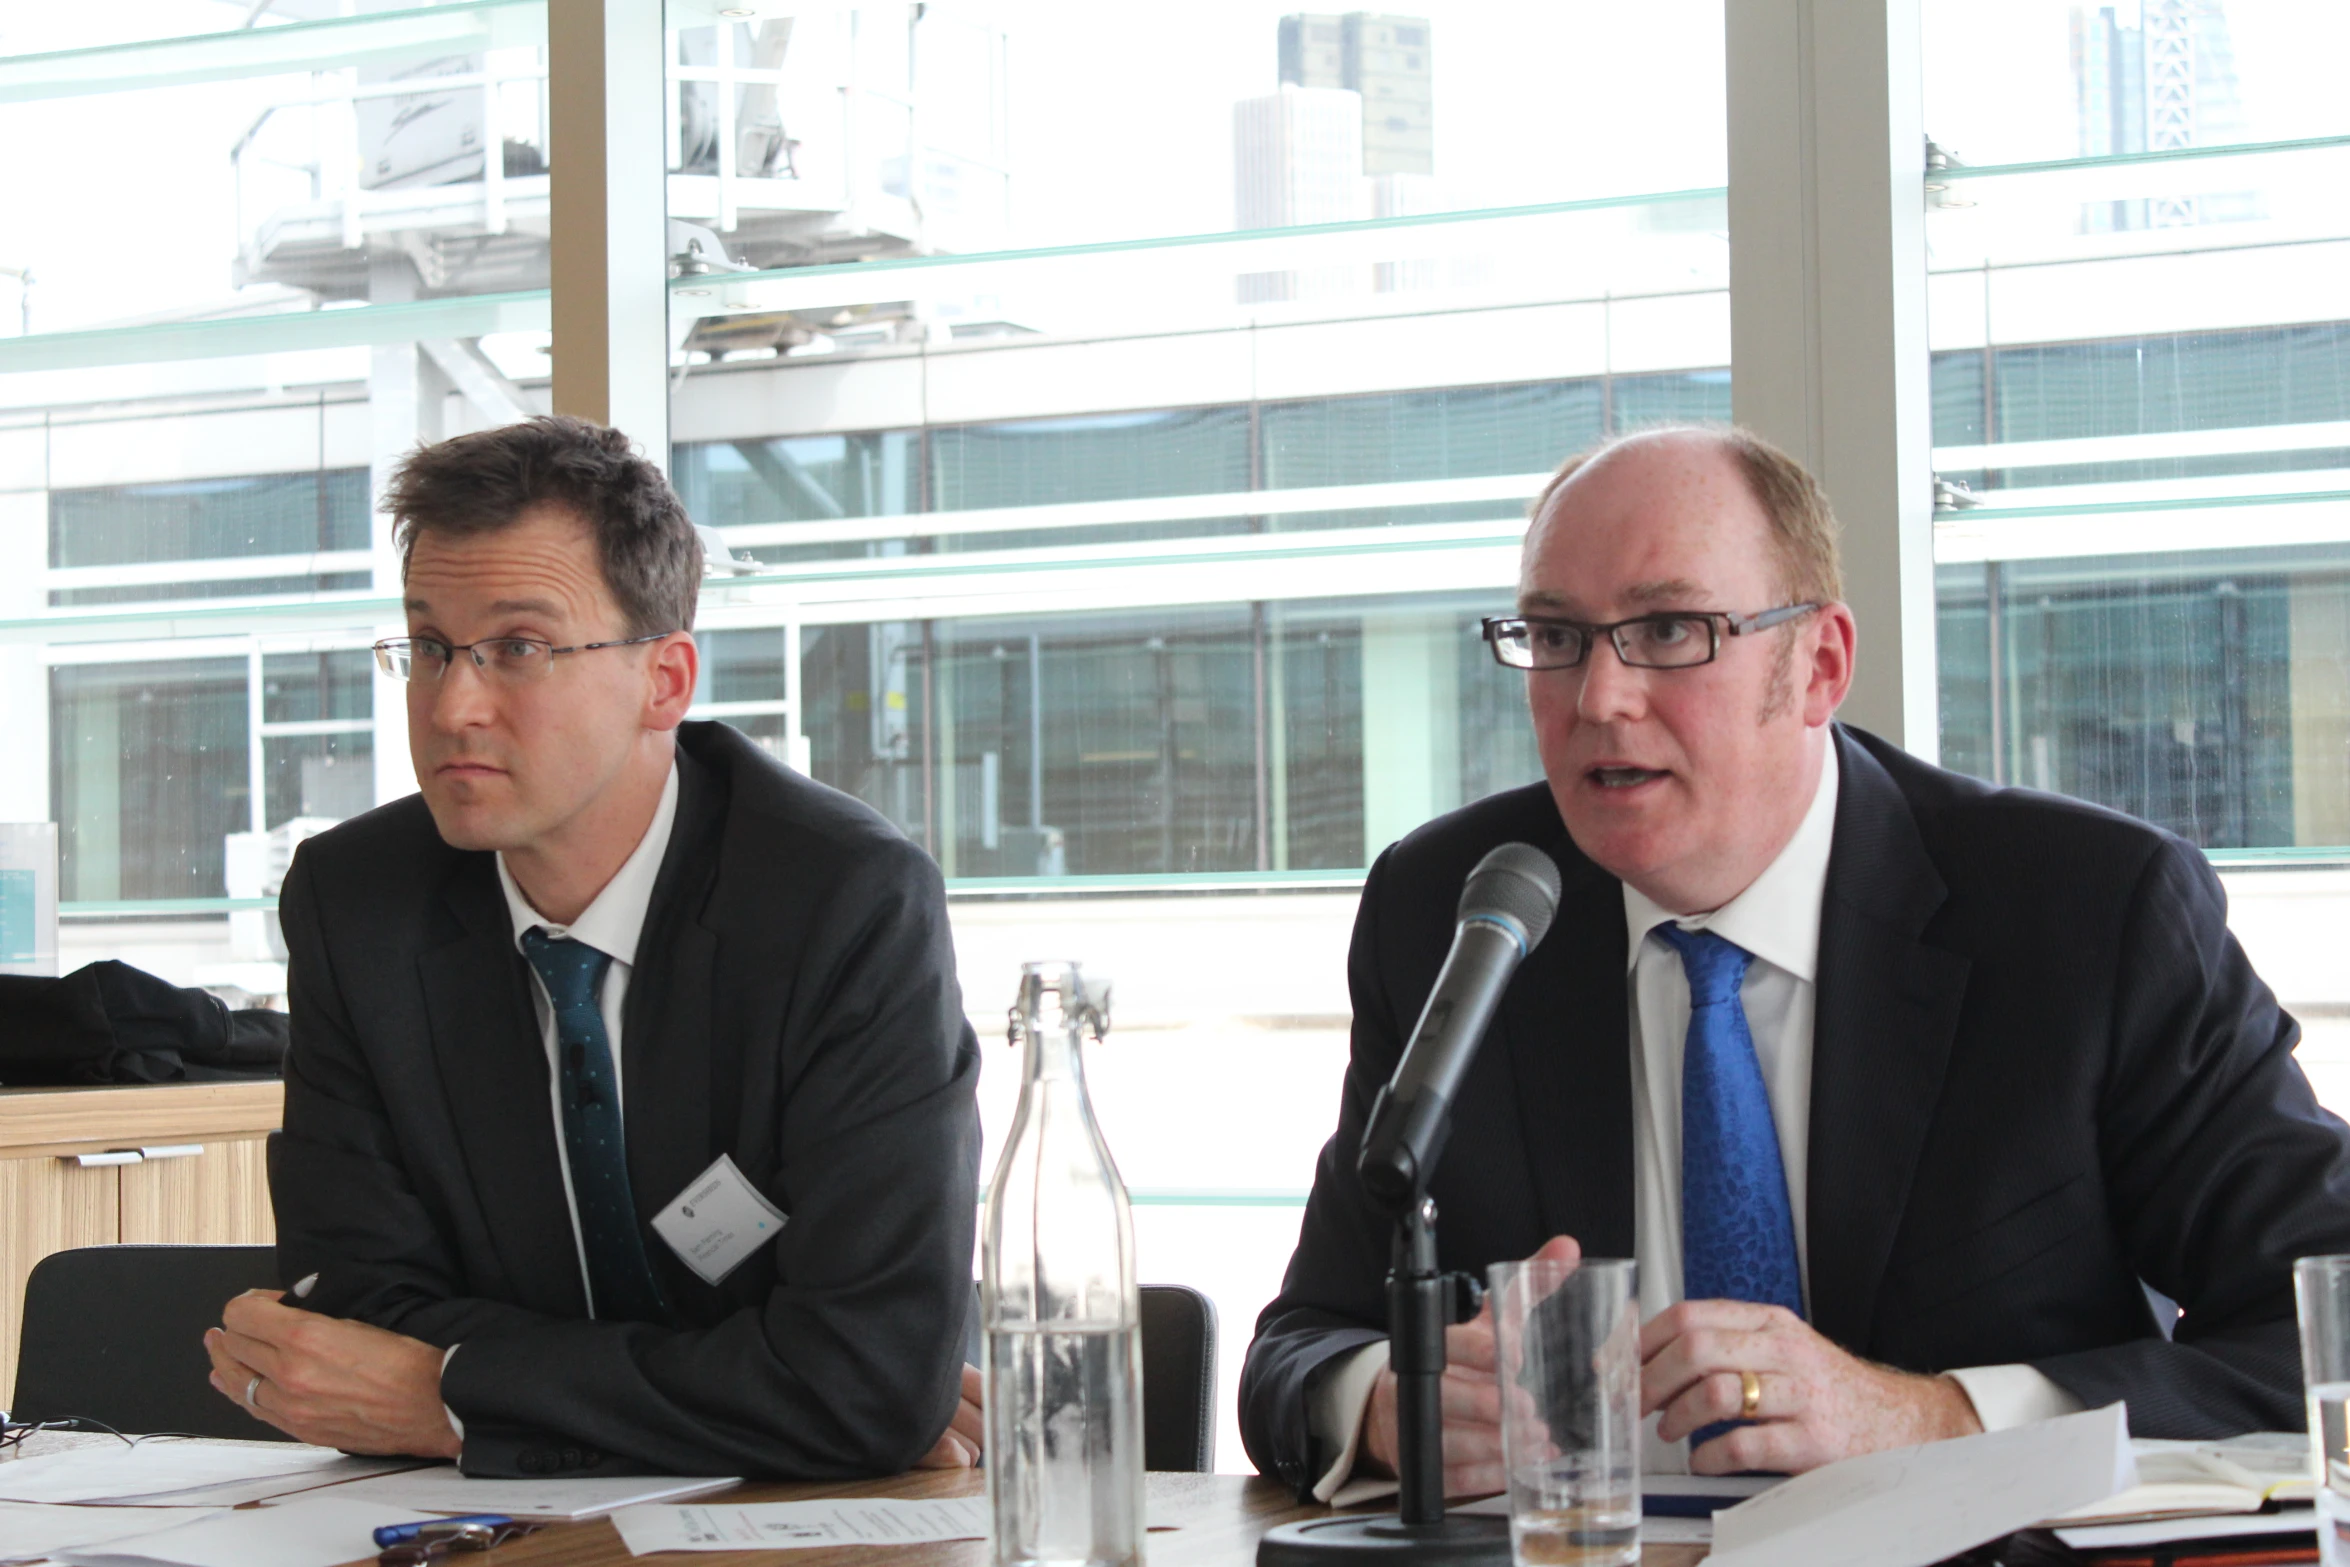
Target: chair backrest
(1178, 1378)
(116, 1333)
(1178, 1375)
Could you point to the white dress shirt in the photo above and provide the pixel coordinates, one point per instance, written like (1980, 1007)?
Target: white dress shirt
(1777, 918)
(611, 925)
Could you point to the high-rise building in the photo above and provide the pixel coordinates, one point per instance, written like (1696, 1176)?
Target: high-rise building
(2152, 76)
(1298, 158)
(1388, 61)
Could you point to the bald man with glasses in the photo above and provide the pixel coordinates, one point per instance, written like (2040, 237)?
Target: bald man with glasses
(629, 1122)
(1924, 1106)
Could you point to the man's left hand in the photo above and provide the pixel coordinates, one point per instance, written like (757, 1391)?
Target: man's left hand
(959, 1445)
(1818, 1404)
(331, 1382)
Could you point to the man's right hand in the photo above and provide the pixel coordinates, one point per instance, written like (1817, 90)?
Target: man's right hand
(1470, 1397)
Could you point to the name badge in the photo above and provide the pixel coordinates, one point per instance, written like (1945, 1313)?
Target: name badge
(719, 1220)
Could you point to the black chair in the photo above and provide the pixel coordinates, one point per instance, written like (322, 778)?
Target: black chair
(116, 1334)
(1178, 1376)
(1178, 1379)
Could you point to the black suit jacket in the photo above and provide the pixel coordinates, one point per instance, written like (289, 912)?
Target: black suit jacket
(2042, 1071)
(793, 1005)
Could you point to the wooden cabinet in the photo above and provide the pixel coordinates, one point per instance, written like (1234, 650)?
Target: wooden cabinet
(207, 1181)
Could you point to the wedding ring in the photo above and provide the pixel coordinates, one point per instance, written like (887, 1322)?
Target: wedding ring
(254, 1387)
(1748, 1405)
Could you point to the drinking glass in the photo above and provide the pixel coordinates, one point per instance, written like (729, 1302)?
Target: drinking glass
(2321, 1288)
(1567, 1356)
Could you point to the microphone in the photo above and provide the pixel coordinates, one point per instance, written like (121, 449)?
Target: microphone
(1505, 909)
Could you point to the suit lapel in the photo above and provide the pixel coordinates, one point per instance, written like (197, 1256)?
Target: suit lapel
(493, 1066)
(665, 1038)
(1887, 1011)
(1567, 1027)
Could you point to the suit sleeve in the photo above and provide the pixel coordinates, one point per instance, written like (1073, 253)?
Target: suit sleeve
(1334, 1297)
(851, 1365)
(2220, 1166)
(345, 1206)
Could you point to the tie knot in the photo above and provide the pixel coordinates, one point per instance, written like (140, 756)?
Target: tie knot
(570, 969)
(1715, 965)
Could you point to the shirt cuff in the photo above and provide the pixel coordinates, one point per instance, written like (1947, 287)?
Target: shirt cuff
(2006, 1396)
(455, 1424)
(1334, 1414)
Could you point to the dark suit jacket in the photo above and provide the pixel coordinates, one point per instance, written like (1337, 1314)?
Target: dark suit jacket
(793, 1005)
(2042, 1071)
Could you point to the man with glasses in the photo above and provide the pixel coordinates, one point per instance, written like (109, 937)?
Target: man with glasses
(629, 1121)
(1919, 1102)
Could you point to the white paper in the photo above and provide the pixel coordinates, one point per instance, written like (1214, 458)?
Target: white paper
(718, 1220)
(2162, 1531)
(29, 1530)
(311, 1531)
(1916, 1505)
(235, 1493)
(156, 1468)
(442, 1489)
(783, 1525)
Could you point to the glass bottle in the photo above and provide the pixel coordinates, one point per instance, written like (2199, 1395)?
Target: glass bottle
(1062, 1311)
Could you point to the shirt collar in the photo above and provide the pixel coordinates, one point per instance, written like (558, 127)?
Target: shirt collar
(612, 923)
(1777, 917)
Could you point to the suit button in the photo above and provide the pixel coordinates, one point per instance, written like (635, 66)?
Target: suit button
(589, 1458)
(571, 1458)
(534, 1462)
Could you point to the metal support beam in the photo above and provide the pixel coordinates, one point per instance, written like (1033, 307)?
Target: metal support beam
(483, 384)
(610, 269)
(1828, 308)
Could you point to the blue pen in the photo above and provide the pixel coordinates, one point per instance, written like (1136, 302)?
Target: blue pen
(402, 1533)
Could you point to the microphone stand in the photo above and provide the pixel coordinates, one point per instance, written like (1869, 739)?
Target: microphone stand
(1422, 1301)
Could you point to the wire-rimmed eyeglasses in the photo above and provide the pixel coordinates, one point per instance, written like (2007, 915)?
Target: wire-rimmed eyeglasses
(1668, 639)
(511, 659)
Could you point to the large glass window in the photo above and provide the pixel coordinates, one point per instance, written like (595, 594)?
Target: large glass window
(2140, 299)
(148, 765)
(341, 250)
(1119, 461)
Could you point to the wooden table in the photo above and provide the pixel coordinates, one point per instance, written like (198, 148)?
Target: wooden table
(1218, 1519)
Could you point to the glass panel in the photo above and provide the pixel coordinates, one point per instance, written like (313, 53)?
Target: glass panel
(148, 769)
(755, 489)
(1170, 740)
(2142, 409)
(2012, 81)
(344, 251)
(198, 519)
(330, 777)
(305, 687)
(1250, 117)
(293, 175)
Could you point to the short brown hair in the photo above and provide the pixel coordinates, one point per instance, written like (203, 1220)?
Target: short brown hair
(1803, 525)
(479, 483)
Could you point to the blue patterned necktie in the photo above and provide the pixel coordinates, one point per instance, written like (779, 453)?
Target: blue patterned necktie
(1737, 1228)
(619, 1275)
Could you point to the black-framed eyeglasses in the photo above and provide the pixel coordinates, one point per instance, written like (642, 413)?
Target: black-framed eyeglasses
(511, 659)
(1669, 639)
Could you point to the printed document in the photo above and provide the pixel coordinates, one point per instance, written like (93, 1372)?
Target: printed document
(782, 1525)
(1916, 1505)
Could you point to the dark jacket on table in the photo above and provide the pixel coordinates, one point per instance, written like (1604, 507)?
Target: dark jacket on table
(793, 1005)
(2042, 1072)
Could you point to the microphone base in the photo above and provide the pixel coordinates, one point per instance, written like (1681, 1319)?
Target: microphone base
(1456, 1540)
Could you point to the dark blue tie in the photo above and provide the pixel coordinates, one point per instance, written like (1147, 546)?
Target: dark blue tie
(619, 1276)
(1737, 1229)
